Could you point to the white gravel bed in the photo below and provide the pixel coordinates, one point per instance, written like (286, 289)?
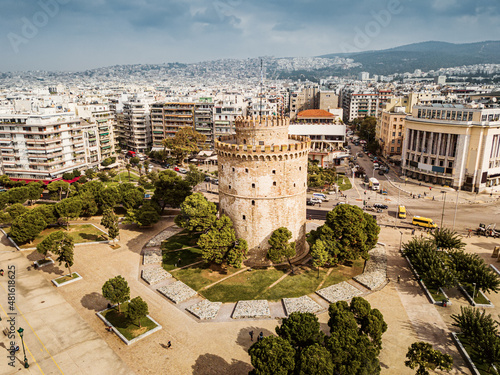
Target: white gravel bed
(155, 275)
(205, 309)
(375, 274)
(152, 257)
(252, 309)
(339, 292)
(301, 304)
(162, 236)
(177, 292)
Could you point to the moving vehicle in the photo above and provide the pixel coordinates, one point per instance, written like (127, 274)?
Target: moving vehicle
(402, 212)
(316, 200)
(182, 170)
(383, 192)
(423, 222)
(321, 196)
(373, 183)
(309, 202)
(381, 205)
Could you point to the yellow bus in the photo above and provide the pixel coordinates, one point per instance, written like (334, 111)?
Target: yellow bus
(402, 212)
(423, 222)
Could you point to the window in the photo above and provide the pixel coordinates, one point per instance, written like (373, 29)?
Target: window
(293, 185)
(253, 186)
(246, 170)
(274, 183)
(244, 217)
(261, 143)
(233, 169)
(450, 164)
(393, 134)
(392, 149)
(253, 203)
(300, 168)
(229, 187)
(393, 141)
(274, 171)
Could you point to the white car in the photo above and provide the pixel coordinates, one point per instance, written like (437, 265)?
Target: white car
(183, 171)
(316, 200)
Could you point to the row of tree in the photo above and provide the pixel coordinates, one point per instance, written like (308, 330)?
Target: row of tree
(318, 176)
(300, 347)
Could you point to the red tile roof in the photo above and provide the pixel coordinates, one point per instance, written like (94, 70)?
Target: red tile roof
(311, 113)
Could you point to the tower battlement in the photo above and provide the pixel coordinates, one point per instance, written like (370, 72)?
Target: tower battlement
(264, 122)
(302, 144)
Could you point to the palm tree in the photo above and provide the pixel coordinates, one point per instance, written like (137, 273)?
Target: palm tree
(128, 167)
(139, 167)
(447, 240)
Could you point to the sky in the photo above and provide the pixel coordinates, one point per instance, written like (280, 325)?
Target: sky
(74, 35)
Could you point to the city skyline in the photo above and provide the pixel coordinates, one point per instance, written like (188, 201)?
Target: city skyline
(71, 36)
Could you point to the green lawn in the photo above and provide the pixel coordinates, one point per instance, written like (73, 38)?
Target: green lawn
(482, 367)
(202, 275)
(80, 233)
(187, 256)
(244, 286)
(438, 296)
(63, 279)
(123, 177)
(344, 272)
(128, 329)
(180, 241)
(343, 182)
(478, 298)
(305, 281)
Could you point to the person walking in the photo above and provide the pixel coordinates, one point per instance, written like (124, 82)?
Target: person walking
(399, 278)
(169, 345)
(261, 336)
(251, 335)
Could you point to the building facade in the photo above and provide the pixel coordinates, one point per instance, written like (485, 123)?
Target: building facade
(454, 145)
(263, 182)
(390, 131)
(363, 103)
(135, 126)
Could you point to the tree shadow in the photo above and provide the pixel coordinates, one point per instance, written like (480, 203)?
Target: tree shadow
(94, 301)
(34, 256)
(244, 339)
(211, 364)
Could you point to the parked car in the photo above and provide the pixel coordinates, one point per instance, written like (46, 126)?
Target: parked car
(316, 200)
(176, 169)
(339, 203)
(208, 179)
(215, 181)
(381, 205)
(381, 172)
(309, 202)
(183, 171)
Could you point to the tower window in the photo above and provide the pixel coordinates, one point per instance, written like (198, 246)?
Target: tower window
(274, 183)
(246, 170)
(253, 203)
(300, 168)
(253, 186)
(274, 171)
(293, 185)
(244, 217)
(229, 187)
(233, 169)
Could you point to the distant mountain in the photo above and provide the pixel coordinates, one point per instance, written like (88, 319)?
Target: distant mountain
(425, 56)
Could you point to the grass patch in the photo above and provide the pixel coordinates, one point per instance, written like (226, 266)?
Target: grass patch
(180, 241)
(80, 233)
(436, 294)
(344, 272)
(478, 298)
(127, 328)
(202, 275)
(482, 367)
(244, 286)
(187, 256)
(343, 182)
(62, 280)
(304, 281)
(123, 177)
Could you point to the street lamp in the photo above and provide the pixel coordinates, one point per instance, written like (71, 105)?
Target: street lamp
(20, 331)
(473, 294)
(456, 208)
(400, 240)
(442, 214)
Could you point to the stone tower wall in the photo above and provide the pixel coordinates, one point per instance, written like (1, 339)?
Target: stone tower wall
(263, 188)
(266, 131)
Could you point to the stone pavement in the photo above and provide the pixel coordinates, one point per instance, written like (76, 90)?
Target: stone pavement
(220, 347)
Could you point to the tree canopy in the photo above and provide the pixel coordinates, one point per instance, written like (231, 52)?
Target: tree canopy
(137, 309)
(422, 356)
(116, 290)
(272, 356)
(170, 189)
(26, 227)
(59, 244)
(185, 142)
(69, 208)
(280, 248)
(446, 239)
(197, 213)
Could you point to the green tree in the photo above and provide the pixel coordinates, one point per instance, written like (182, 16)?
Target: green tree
(128, 167)
(110, 222)
(69, 208)
(92, 187)
(347, 234)
(137, 309)
(146, 165)
(197, 213)
(143, 216)
(139, 168)
(112, 173)
(218, 241)
(445, 239)
(103, 176)
(47, 212)
(315, 359)
(59, 244)
(272, 356)
(170, 189)
(35, 190)
(237, 253)
(90, 174)
(116, 290)
(4, 199)
(194, 176)
(185, 142)
(319, 254)
(18, 195)
(16, 210)
(26, 227)
(422, 356)
(300, 329)
(131, 196)
(135, 161)
(89, 205)
(56, 188)
(110, 197)
(280, 248)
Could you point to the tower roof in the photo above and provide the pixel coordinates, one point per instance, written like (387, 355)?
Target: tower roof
(315, 113)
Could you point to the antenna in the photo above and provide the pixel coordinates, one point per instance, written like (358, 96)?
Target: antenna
(261, 84)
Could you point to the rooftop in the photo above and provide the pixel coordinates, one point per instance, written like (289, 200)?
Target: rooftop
(314, 113)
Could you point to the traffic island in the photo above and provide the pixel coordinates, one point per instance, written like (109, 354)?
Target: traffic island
(66, 279)
(129, 332)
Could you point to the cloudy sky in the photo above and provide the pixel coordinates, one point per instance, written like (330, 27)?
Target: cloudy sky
(79, 34)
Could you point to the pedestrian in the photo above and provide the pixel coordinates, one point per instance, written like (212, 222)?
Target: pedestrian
(319, 204)
(179, 261)
(413, 232)
(169, 344)
(251, 335)
(470, 233)
(261, 336)
(16, 348)
(1, 272)
(433, 197)
(399, 278)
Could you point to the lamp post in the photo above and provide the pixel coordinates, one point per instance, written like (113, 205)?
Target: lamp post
(400, 240)
(473, 294)
(456, 208)
(20, 331)
(442, 214)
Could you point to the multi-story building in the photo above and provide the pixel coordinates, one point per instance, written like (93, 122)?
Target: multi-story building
(134, 131)
(328, 100)
(326, 133)
(41, 146)
(204, 121)
(358, 103)
(390, 131)
(306, 98)
(225, 114)
(454, 145)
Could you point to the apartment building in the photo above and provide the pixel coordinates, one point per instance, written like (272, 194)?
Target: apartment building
(454, 145)
(390, 131)
(357, 103)
(328, 100)
(41, 146)
(99, 131)
(305, 98)
(134, 126)
(224, 117)
(167, 118)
